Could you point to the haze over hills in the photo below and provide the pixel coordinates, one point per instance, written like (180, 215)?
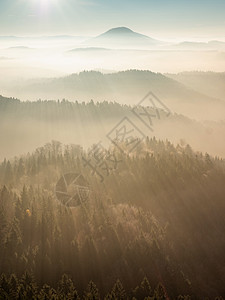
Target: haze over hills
(43, 37)
(211, 45)
(210, 83)
(124, 87)
(5, 58)
(89, 49)
(32, 124)
(20, 48)
(66, 54)
(119, 37)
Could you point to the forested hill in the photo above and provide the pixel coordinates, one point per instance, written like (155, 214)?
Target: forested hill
(169, 197)
(48, 110)
(32, 124)
(124, 87)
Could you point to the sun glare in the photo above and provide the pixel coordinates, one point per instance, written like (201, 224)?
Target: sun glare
(46, 5)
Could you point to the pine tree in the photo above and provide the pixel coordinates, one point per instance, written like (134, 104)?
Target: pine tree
(6, 211)
(118, 291)
(20, 168)
(144, 290)
(66, 288)
(4, 287)
(92, 292)
(8, 173)
(47, 293)
(27, 287)
(13, 283)
(159, 292)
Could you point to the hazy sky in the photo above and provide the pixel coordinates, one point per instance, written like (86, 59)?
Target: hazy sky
(158, 18)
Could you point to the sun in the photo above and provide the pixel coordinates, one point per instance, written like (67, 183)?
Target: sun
(45, 5)
(44, 2)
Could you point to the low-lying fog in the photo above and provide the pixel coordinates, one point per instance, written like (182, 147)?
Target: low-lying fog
(54, 56)
(33, 68)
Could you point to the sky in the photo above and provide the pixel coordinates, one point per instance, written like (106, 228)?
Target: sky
(167, 19)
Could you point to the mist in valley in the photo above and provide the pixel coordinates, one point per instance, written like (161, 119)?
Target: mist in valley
(147, 219)
(108, 68)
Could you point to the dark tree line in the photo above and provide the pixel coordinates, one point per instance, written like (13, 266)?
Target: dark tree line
(26, 288)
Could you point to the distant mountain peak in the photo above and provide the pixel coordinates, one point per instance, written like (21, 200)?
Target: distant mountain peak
(121, 37)
(122, 31)
(118, 30)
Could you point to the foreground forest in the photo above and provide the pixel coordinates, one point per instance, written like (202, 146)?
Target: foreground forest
(112, 161)
(153, 226)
